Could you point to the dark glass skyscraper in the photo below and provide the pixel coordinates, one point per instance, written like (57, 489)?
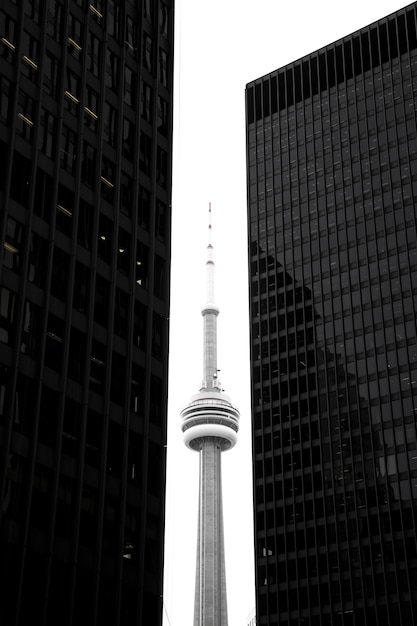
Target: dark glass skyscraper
(332, 191)
(85, 222)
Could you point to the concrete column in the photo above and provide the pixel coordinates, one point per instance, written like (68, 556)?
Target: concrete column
(210, 607)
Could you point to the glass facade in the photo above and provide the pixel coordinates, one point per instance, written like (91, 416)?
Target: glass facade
(332, 188)
(86, 91)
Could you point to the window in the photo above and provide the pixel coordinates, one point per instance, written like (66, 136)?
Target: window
(68, 150)
(54, 342)
(12, 245)
(144, 208)
(43, 192)
(126, 193)
(48, 133)
(7, 36)
(105, 236)
(131, 35)
(148, 9)
(81, 287)
(110, 124)
(156, 400)
(20, 183)
(147, 53)
(154, 481)
(145, 153)
(101, 301)
(161, 167)
(129, 133)
(71, 91)
(85, 224)
(139, 325)
(162, 116)
(163, 19)
(107, 178)
(76, 356)
(4, 376)
(51, 75)
(134, 464)
(93, 439)
(31, 331)
(49, 410)
(97, 366)
(160, 220)
(7, 315)
(114, 454)
(146, 110)
(33, 10)
(29, 56)
(60, 272)
(112, 71)
(159, 277)
(55, 16)
(157, 336)
(163, 71)
(74, 36)
(114, 18)
(71, 431)
(88, 165)
(118, 377)
(91, 108)
(130, 87)
(26, 396)
(38, 259)
(123, 252)
(93, 55)
(96, 9)
(142, 265)
(65, 209)
(121, 313)
(4, 99)
(25, 116)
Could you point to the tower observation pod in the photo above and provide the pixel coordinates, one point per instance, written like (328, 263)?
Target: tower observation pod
(210, 424)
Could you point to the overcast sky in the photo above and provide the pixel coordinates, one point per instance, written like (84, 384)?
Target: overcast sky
(220, 46)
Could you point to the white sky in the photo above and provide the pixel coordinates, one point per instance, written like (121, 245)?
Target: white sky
(221, 46)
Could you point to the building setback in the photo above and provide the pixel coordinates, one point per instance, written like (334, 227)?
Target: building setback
(332, 188)
(85, 222)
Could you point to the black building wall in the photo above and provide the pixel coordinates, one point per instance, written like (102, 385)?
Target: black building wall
(332, 189)
(85, 224)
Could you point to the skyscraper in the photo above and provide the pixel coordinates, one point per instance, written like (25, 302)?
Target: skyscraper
(332, 190)
(85, 222)
(210, 424)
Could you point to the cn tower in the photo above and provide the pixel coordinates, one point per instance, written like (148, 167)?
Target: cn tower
(210, 424)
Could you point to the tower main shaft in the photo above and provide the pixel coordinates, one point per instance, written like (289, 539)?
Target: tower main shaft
(210, 606)
(210, 424)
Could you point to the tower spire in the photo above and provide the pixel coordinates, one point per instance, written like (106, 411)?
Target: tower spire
(210, 263)
(210, 313)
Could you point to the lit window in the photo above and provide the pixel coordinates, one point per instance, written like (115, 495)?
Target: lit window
(25, 116)
(74, 36)
(7, 36)
(142, 265)
(131, 35)
(12, 244)
(96, 10)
